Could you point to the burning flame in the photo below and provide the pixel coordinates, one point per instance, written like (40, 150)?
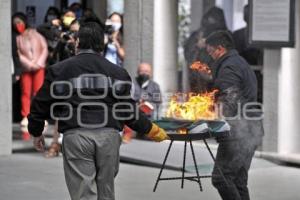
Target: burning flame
(201, 67)
(182, 131)
(192, 106)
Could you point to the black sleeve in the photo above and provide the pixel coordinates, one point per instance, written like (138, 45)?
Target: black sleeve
(40, 106)
(228, 76)
(139, 121)
(46, 31)
(60, 51)
(229, 83)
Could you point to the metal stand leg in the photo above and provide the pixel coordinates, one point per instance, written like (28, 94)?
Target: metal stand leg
(163, 166)
(195, 163)
(183, 166)
(212, 156)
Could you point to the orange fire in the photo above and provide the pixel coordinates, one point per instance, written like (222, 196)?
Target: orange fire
(201, 67)
(182, 131)
(193, 106)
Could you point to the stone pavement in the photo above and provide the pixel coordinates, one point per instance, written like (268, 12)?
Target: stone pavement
(29, 176)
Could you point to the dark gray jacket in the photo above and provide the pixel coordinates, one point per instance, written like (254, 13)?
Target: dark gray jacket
(237, 87)
(149, 93)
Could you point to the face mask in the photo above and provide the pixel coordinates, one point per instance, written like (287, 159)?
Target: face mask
(51, 17)
(20, 27)
(142, 78)
(116, 26)
(68, 20)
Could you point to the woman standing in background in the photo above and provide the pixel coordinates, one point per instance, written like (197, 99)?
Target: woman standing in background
(33, 53)
(114, 50)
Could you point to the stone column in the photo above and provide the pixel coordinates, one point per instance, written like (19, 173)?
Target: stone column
(138, 33)
(5, 77)
(99, 8)
(197, 11)
(272, 61)
(289, 95)
(165, 45)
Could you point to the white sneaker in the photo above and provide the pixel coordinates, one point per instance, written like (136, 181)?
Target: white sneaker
(24, 122)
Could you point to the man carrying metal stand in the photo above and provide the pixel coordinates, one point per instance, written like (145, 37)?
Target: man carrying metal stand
(237, 99)
(91, 99)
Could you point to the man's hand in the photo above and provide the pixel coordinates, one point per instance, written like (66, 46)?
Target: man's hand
(39, 143)
(157, 134)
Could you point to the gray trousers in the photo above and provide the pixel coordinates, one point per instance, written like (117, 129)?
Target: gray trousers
(91, 162)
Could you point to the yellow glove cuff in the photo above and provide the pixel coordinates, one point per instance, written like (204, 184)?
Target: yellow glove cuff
(157, 134)
(154, 131)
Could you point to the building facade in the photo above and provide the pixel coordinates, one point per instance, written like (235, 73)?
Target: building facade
(150, 35)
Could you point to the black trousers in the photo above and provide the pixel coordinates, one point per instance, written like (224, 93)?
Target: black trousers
(234, 159)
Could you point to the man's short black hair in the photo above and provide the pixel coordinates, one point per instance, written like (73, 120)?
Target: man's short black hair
(222, 38)
(91, 36)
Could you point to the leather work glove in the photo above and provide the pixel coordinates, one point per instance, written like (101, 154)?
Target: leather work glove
(157, 134)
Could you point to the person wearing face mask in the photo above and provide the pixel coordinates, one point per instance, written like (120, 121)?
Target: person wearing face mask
(67, 18)
(146, 91)
(237, 86)
(33, 52)
(65, 47)
(114, 50)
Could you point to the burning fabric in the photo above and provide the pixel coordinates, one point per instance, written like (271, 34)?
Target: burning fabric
(193, 106)
(201, 67)
(193, 114)
(200, 77)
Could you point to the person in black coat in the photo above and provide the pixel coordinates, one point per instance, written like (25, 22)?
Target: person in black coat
(237, 99)
(91, 99)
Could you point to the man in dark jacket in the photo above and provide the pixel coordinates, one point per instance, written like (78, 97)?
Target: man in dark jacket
(237, 87)
(90, 97)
